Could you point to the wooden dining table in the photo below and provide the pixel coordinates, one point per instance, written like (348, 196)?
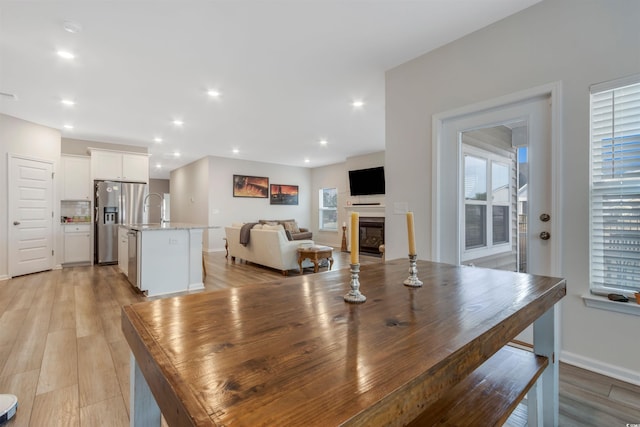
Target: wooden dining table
(293, 353)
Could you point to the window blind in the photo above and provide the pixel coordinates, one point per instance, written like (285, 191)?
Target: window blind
(615, 187)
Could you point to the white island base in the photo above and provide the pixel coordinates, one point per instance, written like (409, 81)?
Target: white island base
(169, 258)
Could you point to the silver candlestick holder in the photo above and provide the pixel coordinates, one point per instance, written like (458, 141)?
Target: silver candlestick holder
(354, 295)
(413, 280)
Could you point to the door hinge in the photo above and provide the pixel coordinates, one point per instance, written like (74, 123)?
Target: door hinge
(52, 174)
(52, 252)
(51, 214)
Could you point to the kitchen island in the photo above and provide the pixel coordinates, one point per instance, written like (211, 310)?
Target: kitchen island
(165, 258)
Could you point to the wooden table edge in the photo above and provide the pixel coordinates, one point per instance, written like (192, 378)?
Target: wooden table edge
(156, 369)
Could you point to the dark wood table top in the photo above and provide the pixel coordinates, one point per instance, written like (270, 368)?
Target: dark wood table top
(292, 352)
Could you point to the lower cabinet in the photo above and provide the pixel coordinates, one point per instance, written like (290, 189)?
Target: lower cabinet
(77, 243)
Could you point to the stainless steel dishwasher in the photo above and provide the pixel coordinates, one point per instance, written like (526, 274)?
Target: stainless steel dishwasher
(132, 269)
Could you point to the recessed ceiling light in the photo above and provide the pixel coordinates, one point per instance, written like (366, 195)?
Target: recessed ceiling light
(323, 142)
(68, 102)
(157, 140)
(158, 165)
(71, 27)
(307, 160)
(66, 55)
(236, 151)
(176, 154)
(178, 122)
(68, 127)
(213, 93)
(358, 103)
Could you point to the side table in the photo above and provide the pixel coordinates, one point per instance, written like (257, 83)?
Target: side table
(315, 254)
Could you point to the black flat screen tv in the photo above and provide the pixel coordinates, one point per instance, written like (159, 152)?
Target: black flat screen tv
(364, 182)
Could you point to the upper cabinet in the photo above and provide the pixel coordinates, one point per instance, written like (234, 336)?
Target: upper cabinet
(118, 166)
(76, 178)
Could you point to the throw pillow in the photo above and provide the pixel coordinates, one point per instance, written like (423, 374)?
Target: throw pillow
(289, 236)
(292, 226)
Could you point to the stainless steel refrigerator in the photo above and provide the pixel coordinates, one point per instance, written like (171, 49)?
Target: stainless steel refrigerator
(116, 203)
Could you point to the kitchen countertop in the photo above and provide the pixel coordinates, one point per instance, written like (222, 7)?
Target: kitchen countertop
(167, 226)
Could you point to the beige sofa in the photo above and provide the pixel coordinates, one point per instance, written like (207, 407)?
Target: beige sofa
(268, 245)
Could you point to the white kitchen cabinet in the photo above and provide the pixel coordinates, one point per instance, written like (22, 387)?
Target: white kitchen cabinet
(76, 178)
(135, 168)
(123, 250)
(118, 166)
(77, 243)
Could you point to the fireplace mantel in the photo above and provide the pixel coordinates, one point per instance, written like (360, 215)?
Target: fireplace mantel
(366, 210)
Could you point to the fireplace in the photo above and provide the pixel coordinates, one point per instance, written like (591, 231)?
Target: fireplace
(371, 235)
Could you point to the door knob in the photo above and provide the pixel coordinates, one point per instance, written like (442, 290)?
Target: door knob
(16, 222)
(545, 217)
(545, 235)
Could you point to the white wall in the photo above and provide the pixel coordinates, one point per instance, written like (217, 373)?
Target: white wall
(189, 189)
(209, 182)
(577, 42)
(337, 176)
(26, 138)
(80, 147)
(332, 176)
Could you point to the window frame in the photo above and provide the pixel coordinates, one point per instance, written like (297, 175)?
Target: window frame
(490, 248)
(322, 209)
(601, 187)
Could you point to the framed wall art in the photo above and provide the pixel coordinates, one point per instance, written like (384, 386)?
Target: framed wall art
(250, 186)
(284, 194)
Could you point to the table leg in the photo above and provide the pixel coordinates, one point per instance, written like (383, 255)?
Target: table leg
(144, 409)
(544, 403)
(330, 262)
(315, 264)
(300, 262)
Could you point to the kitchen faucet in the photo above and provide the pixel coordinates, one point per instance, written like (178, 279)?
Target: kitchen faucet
(144, 203)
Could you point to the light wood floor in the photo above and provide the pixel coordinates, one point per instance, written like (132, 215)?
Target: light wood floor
(63, 354)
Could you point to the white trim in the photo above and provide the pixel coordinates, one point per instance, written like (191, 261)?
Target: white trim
(91, 149)
(5, 277)
(613, 84)
(603, 303)
(622, 374)
(554, 91)
(214, 249)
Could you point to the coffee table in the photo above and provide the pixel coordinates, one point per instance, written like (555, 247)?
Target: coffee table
(315, 254)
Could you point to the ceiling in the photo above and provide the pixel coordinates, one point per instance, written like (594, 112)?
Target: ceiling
(287, 72)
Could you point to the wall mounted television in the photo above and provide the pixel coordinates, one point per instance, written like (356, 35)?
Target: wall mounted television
(364, 182)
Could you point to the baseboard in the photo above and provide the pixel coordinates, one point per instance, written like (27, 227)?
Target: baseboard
(209, 250)
(4, 277)
(616, 372)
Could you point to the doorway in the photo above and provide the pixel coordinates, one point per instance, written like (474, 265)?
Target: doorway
(30, 214)
(497, 185)
(533, 118)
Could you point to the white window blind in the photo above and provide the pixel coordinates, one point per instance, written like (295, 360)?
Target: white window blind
(615, 187)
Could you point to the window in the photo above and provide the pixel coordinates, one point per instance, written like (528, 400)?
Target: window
(615, 187)
(487, 196)
(328, 214)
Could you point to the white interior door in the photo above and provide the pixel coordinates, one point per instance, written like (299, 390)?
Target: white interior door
(535, 114)
(30, 215)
